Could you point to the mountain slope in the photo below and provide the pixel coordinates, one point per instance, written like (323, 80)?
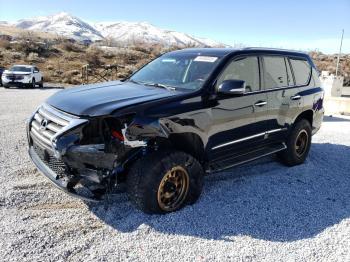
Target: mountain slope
(145, 32)
(125, 32)
(62, 24)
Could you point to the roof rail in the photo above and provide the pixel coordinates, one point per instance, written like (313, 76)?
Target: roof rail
(272, 48)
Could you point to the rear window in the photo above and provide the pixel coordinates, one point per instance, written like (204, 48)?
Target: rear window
(302, 70)
(275, 73)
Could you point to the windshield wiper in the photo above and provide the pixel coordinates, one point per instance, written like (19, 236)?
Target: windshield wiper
(132, 81)
(170, 88)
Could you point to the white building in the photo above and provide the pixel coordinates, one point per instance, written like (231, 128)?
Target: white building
(332, 84)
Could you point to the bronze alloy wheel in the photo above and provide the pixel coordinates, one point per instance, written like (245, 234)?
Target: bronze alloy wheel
(301, 143)
(173, 189)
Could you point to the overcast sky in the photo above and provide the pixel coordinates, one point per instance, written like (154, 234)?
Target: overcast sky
(297, 24)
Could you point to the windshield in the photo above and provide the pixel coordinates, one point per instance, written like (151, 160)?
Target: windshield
(187, 71)
(21, 69)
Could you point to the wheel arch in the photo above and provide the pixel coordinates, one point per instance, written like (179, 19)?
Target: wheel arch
(188, 142)
(307, 114)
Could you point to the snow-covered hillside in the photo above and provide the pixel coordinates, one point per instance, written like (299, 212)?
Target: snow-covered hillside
(62, 24)
(125, 32)
(143, 31)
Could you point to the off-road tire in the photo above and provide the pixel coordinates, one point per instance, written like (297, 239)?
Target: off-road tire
(144, 179)
(33, 83)
(290, 156)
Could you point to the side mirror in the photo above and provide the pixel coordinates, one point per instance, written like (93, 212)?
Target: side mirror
(232, 87)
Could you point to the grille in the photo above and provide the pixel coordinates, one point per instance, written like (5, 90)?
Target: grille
(13, 77)
(46, 124)
(50, 161)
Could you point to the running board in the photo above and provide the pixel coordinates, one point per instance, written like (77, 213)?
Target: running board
(244, 158)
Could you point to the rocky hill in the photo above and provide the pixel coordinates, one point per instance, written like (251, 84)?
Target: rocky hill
(329, 63)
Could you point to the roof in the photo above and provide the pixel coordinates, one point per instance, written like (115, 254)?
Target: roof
(225, 51)
(24, 65)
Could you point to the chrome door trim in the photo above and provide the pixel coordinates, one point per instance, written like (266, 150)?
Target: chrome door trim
(276, 130)
(249, 137)
(261, 103)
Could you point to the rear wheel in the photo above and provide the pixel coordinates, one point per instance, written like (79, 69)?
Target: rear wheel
(298, 144)
(164, 181)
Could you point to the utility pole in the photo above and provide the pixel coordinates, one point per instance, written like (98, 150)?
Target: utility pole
(341, 43)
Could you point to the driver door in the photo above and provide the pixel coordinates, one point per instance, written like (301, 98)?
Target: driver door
(238, 122)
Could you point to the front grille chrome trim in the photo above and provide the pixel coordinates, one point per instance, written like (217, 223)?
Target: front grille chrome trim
(56, 124)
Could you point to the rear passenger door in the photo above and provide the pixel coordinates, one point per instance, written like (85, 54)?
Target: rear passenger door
(282, 96)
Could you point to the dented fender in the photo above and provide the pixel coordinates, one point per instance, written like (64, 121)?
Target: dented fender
(143, 128)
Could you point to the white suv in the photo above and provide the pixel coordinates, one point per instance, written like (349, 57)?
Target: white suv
(22, 75)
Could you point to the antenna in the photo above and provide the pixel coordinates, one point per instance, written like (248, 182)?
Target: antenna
(341, 43)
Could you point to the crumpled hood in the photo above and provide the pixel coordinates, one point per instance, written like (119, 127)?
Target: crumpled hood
(104, 98)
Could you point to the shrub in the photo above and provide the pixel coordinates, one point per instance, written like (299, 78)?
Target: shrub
(71, 47)
(33, 57)
(93, 56)
(5, 44)
(16, 55)
(50, 67)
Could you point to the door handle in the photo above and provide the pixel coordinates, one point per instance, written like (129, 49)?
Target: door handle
(296, 97)
(260, 103)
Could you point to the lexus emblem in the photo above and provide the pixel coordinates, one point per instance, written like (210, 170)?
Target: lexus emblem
(43, 124)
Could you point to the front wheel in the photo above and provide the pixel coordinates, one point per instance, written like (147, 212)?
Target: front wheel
(33, 83)
(298, 144)
(164, 181)
(41, 83)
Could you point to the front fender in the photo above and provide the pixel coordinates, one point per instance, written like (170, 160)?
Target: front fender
(143, 128)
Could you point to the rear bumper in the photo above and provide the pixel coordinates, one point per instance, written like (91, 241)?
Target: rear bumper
(53, 177)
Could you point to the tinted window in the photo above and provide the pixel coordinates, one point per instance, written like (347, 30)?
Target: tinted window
(36, 69)
(275, 73)
(301, 69)
(247, 69)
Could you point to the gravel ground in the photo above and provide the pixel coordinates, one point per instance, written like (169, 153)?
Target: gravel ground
(261, 211)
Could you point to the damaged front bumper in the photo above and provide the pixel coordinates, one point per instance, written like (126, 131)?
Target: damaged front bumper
(85, 158)
(61, 183)
(79, 170)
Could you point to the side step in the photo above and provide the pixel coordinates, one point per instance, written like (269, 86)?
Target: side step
(232, 161)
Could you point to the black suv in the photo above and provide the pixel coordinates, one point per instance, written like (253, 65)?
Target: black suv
(185, 114)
